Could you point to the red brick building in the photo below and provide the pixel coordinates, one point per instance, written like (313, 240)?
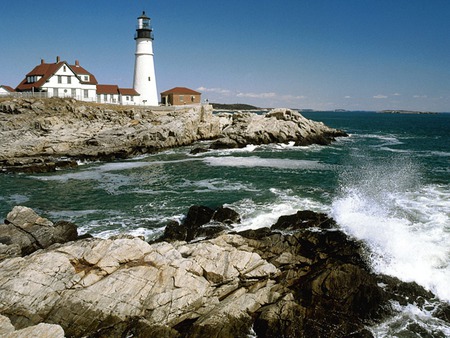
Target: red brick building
(180, 96)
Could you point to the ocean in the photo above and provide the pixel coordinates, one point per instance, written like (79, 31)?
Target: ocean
(388, 184)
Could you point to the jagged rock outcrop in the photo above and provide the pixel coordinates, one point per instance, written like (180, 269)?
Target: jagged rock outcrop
(200, 221)
(24, 232)
(38, 135)
(277, 126)
(305, 279)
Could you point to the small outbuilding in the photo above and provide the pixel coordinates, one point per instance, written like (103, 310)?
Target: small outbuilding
(113, 94)
(6, 90)
(179, 96)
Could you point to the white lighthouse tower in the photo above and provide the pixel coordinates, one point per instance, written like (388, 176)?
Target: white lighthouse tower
(144, 68)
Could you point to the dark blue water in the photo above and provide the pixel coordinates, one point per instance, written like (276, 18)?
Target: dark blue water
(387, 184)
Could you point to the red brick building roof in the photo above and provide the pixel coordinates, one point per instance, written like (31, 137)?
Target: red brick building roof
(180, 90)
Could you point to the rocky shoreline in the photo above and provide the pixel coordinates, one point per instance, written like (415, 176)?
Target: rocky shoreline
(302, 277)
(40, 135)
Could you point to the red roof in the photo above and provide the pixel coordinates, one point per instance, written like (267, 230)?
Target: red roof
(8, 88)
(47, 70)
(77, 69)
(181, 90)
(107, 89)
(128, 91)
(114, 89)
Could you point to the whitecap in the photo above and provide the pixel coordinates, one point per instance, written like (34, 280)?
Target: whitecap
(215, 184)
(259, 215)
(255, 161)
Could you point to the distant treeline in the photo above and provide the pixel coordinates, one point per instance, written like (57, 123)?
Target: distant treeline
(234, 106)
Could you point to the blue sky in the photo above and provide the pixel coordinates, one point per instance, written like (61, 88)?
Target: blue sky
(319, 54)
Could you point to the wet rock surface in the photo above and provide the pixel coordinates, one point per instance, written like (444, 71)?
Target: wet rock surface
(304, 279)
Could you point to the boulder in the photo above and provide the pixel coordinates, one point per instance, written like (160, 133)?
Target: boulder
(200, 221)
(303, 220)
(41, 330)
(198, 150)
(226, 215)
(26, 231)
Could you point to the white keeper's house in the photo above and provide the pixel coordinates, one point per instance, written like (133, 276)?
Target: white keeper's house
(61, 79)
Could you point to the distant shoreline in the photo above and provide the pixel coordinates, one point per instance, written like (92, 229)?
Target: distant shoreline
(405, 112)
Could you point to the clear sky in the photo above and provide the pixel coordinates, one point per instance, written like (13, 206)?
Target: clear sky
(319, 54)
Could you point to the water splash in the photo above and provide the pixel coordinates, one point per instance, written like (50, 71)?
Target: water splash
(405, 222)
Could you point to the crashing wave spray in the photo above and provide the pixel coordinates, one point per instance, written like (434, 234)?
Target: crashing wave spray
(404, 222)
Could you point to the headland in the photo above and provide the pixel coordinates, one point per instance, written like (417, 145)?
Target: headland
(39, 135)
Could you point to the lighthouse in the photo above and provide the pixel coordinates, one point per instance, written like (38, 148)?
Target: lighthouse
(144, 81)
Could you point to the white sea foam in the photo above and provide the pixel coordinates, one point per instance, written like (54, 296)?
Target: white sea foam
(249, 148)
(285, 202)
(439, 153)
(97, 172)
(215, 184)
(16, 199)
(255, 161)
(118, 224)
(412, 314)
(406, 225)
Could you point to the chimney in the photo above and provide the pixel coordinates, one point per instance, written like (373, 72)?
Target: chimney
(57, 59)
(77, 63)
(42, 61)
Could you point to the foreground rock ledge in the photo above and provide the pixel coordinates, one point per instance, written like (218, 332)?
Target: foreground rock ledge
(39, 135)
(309, 281)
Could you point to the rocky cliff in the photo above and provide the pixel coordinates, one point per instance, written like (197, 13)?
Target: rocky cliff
(42, 135)
(301, 278)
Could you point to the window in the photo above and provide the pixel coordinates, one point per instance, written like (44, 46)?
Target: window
(32, 79)
(59, 79)
(69, 79)
(64, 68)
(55, 92)
(86, 78)
(181, 98)
(128, 98)
(149, 78)
(105, 97)
(86, 93)
(74, 92)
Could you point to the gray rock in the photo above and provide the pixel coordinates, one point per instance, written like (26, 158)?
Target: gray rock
(41, 330)
(25, 231)
(277, 126)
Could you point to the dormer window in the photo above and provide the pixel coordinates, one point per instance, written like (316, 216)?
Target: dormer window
(86, 77)
(33, 79)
